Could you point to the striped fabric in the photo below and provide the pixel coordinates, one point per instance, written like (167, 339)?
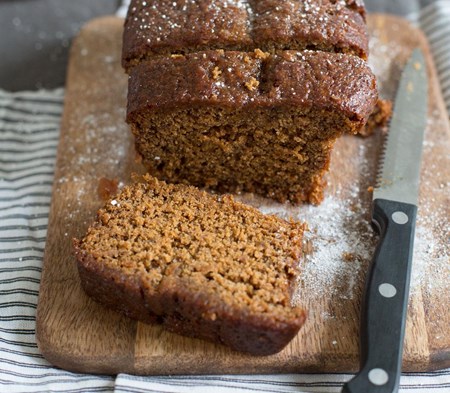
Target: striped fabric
(29, 129)
(434, 20)
(298, 383)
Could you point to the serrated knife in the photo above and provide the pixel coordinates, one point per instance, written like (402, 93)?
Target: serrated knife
(394, 208)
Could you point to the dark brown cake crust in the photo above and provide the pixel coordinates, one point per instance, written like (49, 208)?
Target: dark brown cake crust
(305, 80)
(256, 336)
(182, 26)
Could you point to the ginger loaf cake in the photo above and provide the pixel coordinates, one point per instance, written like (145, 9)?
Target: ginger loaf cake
(246, 96)
(201, 265)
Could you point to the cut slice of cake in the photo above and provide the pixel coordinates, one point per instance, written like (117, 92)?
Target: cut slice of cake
(201, 265)
(256, 122)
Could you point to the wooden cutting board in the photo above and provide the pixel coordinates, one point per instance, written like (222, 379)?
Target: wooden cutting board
(77, 334)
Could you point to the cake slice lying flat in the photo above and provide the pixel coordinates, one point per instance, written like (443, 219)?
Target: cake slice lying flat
(202, 266)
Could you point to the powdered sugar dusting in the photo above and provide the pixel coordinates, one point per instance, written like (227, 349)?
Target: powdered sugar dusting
(431, 261)
(341, 247)
(165, 24)
(339, 242)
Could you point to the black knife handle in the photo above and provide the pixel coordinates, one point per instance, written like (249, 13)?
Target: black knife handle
(384, 308)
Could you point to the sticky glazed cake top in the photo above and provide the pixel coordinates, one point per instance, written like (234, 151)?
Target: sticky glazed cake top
(157, 27)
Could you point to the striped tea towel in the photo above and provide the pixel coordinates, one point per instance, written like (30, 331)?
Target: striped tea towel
(29, 131)
(434, 20)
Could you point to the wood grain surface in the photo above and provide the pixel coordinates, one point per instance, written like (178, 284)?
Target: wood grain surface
(77, 334)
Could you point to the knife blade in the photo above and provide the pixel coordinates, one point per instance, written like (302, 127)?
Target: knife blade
(394, 208)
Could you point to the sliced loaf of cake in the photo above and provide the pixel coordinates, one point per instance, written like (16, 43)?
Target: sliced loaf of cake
(251, 95)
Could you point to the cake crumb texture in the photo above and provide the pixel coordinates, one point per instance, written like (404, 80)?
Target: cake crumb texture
(265, 125)
(201, 265)
(379, 118)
